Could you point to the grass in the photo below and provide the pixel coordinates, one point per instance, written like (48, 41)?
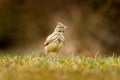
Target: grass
(38, 67)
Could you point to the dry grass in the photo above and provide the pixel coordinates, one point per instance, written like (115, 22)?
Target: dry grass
(38, 67)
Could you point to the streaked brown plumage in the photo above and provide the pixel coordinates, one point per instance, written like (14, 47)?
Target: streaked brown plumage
(56, 40)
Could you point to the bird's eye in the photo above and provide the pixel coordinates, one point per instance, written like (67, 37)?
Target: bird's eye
(60, 27)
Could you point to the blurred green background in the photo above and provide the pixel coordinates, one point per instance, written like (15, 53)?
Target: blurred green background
(93, 25)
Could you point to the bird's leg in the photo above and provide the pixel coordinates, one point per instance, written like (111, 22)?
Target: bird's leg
(46, 53)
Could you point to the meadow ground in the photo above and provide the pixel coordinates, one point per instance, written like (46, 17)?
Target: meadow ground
(38, 67)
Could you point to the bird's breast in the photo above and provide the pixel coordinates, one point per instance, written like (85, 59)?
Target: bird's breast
(54, 46)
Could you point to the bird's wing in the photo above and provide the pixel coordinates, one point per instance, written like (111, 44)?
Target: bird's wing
(48, 40)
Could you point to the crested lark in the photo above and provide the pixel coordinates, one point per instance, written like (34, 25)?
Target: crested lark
(56, 40)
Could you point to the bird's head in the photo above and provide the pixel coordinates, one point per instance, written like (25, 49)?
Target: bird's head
(60, 28)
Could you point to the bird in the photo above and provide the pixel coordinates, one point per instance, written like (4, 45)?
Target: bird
(55, 41)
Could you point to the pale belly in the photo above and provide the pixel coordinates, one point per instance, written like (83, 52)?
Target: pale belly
(54, 47)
